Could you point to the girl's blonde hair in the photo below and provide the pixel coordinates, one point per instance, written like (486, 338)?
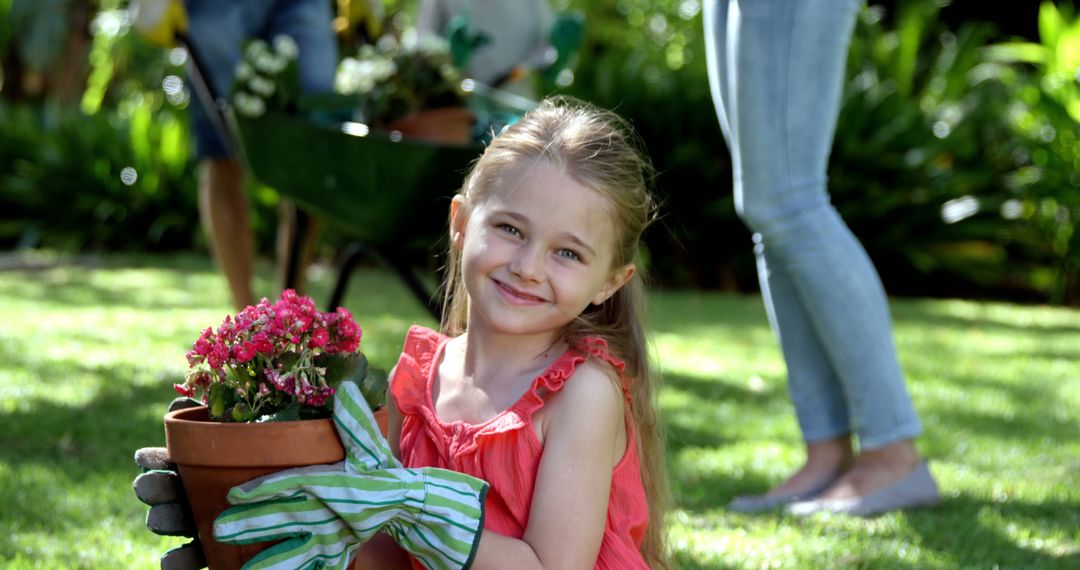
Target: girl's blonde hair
(599, 150)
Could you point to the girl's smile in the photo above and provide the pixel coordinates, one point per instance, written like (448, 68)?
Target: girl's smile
(516, 296)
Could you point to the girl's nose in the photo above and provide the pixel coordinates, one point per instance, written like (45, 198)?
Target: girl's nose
(528, 264)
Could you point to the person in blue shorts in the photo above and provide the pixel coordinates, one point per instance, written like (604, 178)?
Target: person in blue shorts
(218, 30)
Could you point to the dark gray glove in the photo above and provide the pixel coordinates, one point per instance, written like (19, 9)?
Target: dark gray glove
(170, 514)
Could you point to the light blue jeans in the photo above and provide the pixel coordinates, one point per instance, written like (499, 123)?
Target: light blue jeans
(219, 29)
(776, 71)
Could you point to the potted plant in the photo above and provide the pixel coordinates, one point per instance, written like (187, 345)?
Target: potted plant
(411, 86)
(266, 376)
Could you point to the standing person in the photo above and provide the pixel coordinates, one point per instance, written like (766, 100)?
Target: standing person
(218, 30)
(776, 70)
(531, 413)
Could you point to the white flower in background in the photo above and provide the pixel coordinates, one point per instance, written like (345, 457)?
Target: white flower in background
(360, 77)
(345, 79)
(249, 105)
(389, 43)
(382, 69)
(269, 64)
(432, 45)
(286, 47)
(255, 49)
(244, 71)
(261, 85)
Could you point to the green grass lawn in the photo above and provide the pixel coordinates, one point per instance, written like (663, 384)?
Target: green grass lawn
(90, 350)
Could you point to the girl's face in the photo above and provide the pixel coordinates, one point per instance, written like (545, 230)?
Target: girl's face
(535, 251)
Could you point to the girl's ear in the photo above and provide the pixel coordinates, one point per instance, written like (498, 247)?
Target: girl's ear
(619, 277)
(459, 218)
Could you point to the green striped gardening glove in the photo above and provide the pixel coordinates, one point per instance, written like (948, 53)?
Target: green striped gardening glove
(327, 511)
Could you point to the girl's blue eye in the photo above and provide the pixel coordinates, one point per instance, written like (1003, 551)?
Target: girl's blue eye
(509, 229)
(569, 254)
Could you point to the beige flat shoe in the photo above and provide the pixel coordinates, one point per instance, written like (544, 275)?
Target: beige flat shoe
(916, 489)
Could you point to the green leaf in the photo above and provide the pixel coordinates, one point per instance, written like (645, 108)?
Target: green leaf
(241, 412)
(219, 395)
(374, 387)
(1016, 52)
(341, 367)
(288, 414)
(1050, 23)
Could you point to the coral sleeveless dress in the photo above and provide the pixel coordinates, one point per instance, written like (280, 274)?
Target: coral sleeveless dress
(505, 452)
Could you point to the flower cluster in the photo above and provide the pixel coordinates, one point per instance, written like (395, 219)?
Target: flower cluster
(271, 358)
(393, 79)
(266, 76)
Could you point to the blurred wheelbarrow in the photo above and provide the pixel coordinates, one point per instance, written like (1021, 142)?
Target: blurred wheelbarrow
(389, 193)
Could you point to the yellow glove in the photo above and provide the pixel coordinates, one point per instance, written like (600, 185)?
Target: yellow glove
(159, 21)
(350, 13)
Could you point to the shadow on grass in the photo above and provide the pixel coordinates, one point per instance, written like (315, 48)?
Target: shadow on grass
(99, 435)
(51, 451)
(691, 425)
(926, 315)
(954, 529)
(677, 310)
(706, 492)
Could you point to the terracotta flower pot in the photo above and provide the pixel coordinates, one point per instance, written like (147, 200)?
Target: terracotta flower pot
(214, 456)
(446, 125)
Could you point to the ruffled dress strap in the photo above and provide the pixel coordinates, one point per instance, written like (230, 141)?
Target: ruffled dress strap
(598, 348)
(410, 382)
(553, 379)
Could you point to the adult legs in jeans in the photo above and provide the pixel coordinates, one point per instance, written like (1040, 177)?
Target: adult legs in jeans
(776, 70)
(219, 28)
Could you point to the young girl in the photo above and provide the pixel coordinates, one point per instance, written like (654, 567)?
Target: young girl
(525, 428)
(538, 382)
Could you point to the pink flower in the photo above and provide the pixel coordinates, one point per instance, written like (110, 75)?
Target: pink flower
(319, 338)
(201, 379)
(303, 322)
(194, 359)
(285, 336)
(244, 351)
(203, 344)
(262, 343)
(218, 355)
(183, 390)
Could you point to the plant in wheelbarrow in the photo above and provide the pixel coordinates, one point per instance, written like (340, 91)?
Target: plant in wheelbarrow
(411, 86)
(267, 77)
(265, 378)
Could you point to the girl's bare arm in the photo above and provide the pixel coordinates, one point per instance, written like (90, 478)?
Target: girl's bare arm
(570, 500)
